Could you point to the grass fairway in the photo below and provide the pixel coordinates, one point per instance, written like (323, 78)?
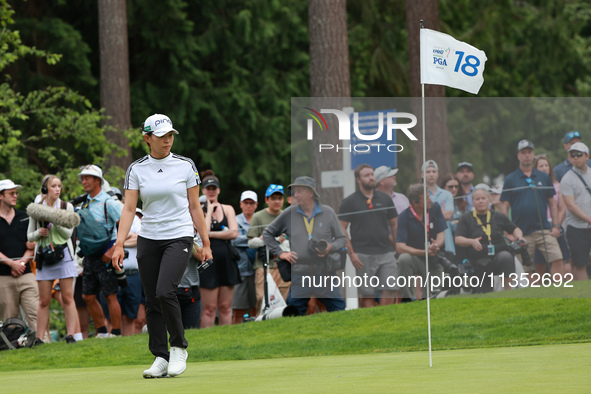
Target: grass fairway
(557, 368)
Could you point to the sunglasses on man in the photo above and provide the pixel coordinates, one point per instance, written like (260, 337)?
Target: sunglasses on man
(576, 154)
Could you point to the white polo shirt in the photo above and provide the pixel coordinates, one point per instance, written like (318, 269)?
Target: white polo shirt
(162, 185)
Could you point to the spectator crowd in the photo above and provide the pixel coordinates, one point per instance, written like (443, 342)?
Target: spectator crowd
(537, 222)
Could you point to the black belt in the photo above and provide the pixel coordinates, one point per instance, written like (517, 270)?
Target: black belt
(132, 272)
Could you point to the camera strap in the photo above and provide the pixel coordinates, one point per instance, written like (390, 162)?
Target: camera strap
(309, 226)
(487, 230)
(582, 180)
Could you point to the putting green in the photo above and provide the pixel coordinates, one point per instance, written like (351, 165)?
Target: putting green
(559, 368)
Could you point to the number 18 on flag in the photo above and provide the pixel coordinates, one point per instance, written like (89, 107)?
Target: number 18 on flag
(447, 61)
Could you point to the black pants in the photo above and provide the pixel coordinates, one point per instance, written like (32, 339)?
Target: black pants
(502, 263)
(162, 264)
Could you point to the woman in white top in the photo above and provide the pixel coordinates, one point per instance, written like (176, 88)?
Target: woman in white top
(168, 185)
(44, 234)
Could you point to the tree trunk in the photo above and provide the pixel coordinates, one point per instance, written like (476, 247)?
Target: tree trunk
(114, 55)
(329, 77)
(437, 144)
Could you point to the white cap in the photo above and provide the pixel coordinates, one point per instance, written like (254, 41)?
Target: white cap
(383, 172)
(7, 184)
(158, 124)
(93, 170)
(248, 195)
(579, 147)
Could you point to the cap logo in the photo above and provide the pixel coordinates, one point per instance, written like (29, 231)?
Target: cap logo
(148, 128)
(163, 120)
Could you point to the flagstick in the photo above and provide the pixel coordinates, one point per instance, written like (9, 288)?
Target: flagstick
(425, 196)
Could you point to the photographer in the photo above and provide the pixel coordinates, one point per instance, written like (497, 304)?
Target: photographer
(315, 235)
(481, 232)
(410, 240)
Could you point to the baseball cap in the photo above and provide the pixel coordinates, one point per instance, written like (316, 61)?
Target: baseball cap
(579, 147)
(430, 163)
(524, 144)
(158, 124)
(7, 184)
(91, 169)
(117, 192)
(383, 172)
(464, 164)
(570, 135)
(210, 182)
(272, 189)
(248, 195)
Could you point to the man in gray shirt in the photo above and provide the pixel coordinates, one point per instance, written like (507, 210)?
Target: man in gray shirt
(577, 196)
(315, 234)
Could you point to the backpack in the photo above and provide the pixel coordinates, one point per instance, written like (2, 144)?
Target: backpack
(14, 333)
(94, 236)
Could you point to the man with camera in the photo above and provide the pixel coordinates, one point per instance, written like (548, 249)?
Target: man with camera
(530, 193)
(481, 233)
(18, 286)
(98, 274)
(410, 241)
(372, 216)
(316, 238)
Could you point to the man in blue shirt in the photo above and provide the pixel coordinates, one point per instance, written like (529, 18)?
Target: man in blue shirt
(569, 139)
(529, 193)
(410, 240)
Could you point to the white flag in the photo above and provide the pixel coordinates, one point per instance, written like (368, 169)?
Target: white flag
(447, 61)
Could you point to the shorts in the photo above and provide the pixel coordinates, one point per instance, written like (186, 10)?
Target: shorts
(540, 259)
(378, 265)
(245, 296)
(579, 241)
(537, 240)
(98, 277)
(129, 297)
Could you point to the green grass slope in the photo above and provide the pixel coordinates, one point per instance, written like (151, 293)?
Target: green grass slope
(457, 323)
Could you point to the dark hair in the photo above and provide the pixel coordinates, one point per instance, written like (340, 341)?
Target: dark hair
(359, 168)
(414, 192)
(459, 198)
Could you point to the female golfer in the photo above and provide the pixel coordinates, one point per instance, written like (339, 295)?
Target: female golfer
(168, 185)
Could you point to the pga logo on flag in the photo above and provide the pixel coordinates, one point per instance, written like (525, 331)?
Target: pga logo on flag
(447, 61)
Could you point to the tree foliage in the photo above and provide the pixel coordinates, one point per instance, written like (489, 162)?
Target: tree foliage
(49, 130)
(225, 70)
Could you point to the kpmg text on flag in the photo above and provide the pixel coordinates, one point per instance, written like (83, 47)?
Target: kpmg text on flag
(447, 61)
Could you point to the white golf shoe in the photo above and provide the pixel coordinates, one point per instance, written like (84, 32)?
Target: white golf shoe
(178, 361)
(158, 370)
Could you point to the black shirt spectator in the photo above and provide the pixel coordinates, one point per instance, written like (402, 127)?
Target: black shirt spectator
(369, 230)
(468, 227)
